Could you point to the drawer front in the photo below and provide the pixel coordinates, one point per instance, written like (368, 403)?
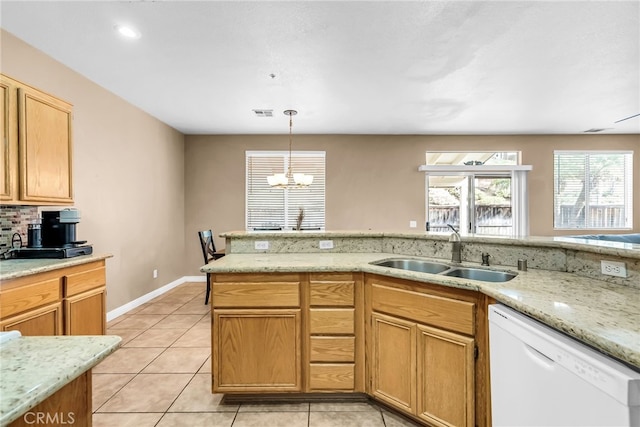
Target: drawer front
(331, 293)
(325, 376)
(83, 281)
(266, 294)
(23, 298)
(433, 310)
(331, 320)
(332, 349)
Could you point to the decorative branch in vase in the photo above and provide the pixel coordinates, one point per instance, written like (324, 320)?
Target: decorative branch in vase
(299, 219)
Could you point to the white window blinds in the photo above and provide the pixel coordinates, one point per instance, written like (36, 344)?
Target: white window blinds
(593, 189)
(277, 209)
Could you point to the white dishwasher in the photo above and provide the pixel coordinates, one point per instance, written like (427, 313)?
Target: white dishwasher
(541, 377)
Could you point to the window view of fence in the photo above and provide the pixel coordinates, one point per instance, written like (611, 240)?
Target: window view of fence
(474, 204)
(490, 220)
(592, 189)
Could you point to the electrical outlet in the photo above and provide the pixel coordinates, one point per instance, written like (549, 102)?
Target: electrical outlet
(155, 274)
(326, 244)
(413, 224)
(613, 268)
(261, 245)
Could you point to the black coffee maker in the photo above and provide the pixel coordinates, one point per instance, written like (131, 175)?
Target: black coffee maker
(55, 237)
(59, 228)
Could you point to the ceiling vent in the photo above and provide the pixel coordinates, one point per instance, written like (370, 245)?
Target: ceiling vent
(263, 113)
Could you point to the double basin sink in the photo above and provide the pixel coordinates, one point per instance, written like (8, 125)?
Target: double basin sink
(423, 266)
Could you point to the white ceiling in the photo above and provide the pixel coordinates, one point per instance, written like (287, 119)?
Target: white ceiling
(362, 67)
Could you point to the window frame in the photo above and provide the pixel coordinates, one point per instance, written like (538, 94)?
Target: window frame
(627, 192)
(287, 221)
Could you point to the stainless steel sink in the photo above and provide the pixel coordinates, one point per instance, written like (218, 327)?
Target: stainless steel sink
(414, 265)
(424, 266)
(480, 274)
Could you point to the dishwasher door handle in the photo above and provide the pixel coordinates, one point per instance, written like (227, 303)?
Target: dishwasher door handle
(539, 357)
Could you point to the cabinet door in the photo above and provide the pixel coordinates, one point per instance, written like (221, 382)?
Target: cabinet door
(40, 321)
(445, 377)
(9, 134)
(44, 147)
(393, 361)
(85, 313)
(256, 350)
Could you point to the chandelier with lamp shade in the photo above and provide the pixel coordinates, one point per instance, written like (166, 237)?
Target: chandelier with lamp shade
(289, 179)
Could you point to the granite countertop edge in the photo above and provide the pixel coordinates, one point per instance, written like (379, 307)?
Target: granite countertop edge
(29, 354)
(548, 304)
(15, 268)
(562, 242)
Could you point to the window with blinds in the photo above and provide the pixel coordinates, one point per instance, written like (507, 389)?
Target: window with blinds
(278, 209)
(593, 189)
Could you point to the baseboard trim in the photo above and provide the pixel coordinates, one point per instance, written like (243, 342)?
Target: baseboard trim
(151, 295)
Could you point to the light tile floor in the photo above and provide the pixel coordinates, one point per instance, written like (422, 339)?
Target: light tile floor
(161, 376)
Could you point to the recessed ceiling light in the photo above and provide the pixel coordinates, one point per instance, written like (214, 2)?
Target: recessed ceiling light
(128, 32)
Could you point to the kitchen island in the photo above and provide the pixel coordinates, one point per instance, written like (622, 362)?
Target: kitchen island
(47, 380)
(294, 282)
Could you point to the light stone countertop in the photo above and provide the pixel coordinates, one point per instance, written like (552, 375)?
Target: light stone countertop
(14, 268)
(34, 368)
(603, 315)
(601, 247)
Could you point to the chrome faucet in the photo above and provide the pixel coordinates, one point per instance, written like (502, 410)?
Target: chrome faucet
(456, 245)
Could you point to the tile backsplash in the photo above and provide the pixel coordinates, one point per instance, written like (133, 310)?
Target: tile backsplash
(14, 219)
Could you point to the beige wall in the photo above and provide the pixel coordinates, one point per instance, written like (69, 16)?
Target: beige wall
(128, 176)
(372, 180)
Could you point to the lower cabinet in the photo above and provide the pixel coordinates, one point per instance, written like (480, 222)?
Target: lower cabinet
(66, 301)
(46, 320)
(445, 374)
(417, 347)
(256, 333)
(70, 405)
(393, 361)
(85, 313)
(422, 351)
(84, 295)
(335, 334)
(258, 350)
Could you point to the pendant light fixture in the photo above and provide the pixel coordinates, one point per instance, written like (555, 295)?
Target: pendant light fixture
(283, 180)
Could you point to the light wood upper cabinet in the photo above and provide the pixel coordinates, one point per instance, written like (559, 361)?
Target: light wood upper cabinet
(37, 146)
(9, 132)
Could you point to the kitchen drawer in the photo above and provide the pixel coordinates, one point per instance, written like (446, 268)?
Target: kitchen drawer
(27, 297)
(331, 320)
(331, 293)
(83, 281)
(331, 376)
(262, 294)
(433, 310)
(332, 349)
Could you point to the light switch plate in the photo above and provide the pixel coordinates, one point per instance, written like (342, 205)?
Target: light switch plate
(613, 268)
(261, 245)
